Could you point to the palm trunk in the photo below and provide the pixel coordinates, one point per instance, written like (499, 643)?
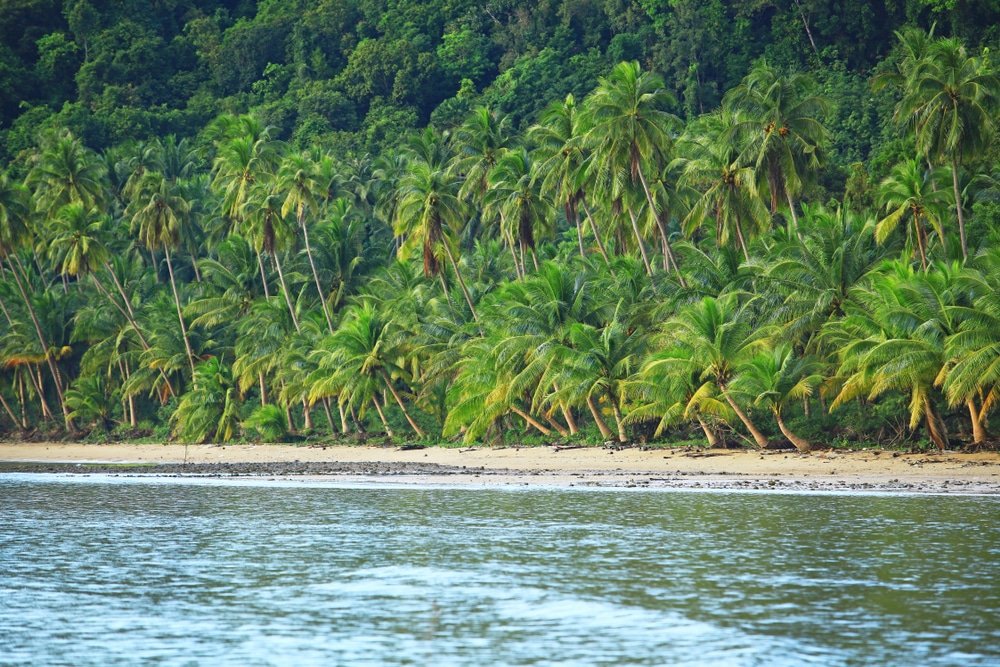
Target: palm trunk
(343, 418)
(39, 386)
(791, 209)
(263, 388)
(622, 437)
(919, 232)
(284, 291)
(312, 265)
(531, 420)
(652, 209)
(381, 415)
(574, 219)
(556, 425)
(713, 441)
(570, 420)
(597, 235)
(180, 316)
(978, 430)
(601, 424)
(958, 207)
(10, 413)
(41, 340)
(399, 401)
(263, 276)
(757, 435)
(329, 415)
(935, 427)
(307, 419)
(461, 281)
(742, 241)
(800, 443)
(638, 239)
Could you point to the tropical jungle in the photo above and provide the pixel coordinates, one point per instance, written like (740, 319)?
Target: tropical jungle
(763, 223)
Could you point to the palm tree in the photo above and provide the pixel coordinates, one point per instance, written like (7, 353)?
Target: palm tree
(159, 222)
(359, 356)
(728, 191)
(895, 340)
(211, 410)
(775, 379)
(430, 216)
(296, 180)
(14, 234)
(515, 197)
(913, 191)
(782, 129)
(64, 172)
(718, 334)
(630, 127)
(481, 142)
(948, 101)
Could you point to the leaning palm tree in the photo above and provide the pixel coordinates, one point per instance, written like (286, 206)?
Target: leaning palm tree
(630, 127)
(430, 216)
(913, 191)
(14, 234)
(718, 334)
(775, 379)
(949, 102)
(159, 222)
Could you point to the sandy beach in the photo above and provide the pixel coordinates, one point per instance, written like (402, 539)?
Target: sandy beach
(950, 472)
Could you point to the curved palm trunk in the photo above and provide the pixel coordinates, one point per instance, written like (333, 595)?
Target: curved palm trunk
(597, 235)
(800, 443)
(935, 426)
(958, 207)
(180, 316)
(461, 281)
(758, 437)
(10, 413)
(41, 340)
(713, 441)
(742, 240)
(978, 430)
(638, 239)
(531, 420)
(399, 401)
(919, 233)
(312, 265)
(556, 425)
(601, 424)
(284, 291)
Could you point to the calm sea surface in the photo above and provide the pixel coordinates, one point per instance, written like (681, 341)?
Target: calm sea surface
(100, 571)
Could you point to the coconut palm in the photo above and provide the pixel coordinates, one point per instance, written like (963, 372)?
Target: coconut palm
(159, 221)
(14, 234)
(295, 179)
(359, 357)
(211, 410)
(630, 127)
(64, 172)
(710, 166)
(480, 143)
(430, 216)
(782, 130)
(775, 379)
(716, 332)
(913, 192)
(515, 197)
(949, 101)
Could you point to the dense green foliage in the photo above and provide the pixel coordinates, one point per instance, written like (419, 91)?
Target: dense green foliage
(700, 254)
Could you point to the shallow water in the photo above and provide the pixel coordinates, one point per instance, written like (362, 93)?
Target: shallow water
(98, 571)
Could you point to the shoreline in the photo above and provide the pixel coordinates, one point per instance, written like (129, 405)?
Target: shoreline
(866, 470)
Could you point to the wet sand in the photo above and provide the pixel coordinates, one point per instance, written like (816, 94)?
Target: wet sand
(950, 472)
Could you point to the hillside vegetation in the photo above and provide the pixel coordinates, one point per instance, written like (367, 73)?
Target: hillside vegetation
(741, 223)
